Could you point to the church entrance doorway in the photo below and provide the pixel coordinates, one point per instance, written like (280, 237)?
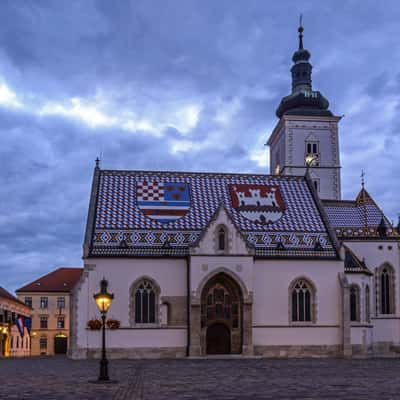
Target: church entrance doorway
(221, 316)
(218, 339)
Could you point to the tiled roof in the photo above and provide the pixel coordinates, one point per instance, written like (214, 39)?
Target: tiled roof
(352, 264)
(7, 295)
(128, 219)
(60, 280)
(357, 219)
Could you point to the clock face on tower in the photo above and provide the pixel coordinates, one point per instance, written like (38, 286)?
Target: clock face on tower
(311, 160)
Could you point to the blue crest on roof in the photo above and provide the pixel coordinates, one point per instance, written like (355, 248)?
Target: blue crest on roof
(163, 201)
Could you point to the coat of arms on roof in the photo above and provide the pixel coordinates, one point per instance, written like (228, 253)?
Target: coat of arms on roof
(258, 203)
(163, 201)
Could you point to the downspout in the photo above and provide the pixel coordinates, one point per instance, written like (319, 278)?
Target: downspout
(188, 304)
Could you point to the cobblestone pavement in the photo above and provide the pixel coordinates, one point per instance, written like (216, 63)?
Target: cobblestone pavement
(61, 378)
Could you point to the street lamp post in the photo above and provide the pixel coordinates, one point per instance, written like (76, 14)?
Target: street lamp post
(103, 301)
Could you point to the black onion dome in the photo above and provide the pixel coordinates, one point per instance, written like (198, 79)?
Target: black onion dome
(303, 100)
(301, 55)
(303, 103)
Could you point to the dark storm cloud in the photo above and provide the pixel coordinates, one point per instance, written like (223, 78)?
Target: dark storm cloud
(173, 85)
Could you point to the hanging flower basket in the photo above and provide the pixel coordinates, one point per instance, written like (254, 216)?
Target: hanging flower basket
(113, 323)
(94, 324)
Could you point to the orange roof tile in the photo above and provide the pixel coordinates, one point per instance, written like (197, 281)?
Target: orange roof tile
(7, 295)
(60, 280)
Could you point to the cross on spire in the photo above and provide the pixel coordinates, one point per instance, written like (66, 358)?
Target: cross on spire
(362, 178)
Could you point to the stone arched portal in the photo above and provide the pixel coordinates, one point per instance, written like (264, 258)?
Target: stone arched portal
(221, 306)
(241, 337)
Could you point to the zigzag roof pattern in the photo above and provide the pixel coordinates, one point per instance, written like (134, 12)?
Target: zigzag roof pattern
(122, 226)
(359, 218)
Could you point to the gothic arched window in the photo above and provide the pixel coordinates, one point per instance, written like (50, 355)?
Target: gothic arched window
(367, 305)
(302, 301)
(145, 302)
(312, 149)
(354, 303)
(221, 239)
(386, 288)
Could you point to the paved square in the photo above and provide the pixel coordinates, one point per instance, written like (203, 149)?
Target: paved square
(61, 378)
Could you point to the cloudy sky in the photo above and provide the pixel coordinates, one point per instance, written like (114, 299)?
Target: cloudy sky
(181, 85)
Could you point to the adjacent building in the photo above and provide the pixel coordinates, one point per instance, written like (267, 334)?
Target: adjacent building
(14, 326)
(48, 299)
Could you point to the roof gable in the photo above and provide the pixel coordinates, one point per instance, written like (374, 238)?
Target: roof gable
(208, 240)
(359, 218)
(352, 264)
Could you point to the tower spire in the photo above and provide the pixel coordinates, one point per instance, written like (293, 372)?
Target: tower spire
(303, 100)
(301, 30)
(362, 179)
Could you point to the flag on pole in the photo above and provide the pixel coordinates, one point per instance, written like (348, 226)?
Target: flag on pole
(20, 325)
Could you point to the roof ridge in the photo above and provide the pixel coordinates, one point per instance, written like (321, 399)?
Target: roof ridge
(133, 171)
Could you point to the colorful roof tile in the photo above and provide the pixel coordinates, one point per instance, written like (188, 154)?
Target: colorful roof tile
(163, 213)
(60, 280)
(360, 218)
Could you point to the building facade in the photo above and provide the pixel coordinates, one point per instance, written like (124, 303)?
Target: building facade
(273, 265)
(14, 331)
(49, 298)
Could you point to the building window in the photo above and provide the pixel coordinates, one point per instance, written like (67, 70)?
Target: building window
(43, 322)
(61, 302)
(17, 342)
(43, 344)
(354, 303)
(302, 301)
(12, 342)
(312, 147)
(60, 322)
(221, 239)
(28, 301)
(386, 290)
(312, 151)
(145, 303)
(367, 305)
(44, 302)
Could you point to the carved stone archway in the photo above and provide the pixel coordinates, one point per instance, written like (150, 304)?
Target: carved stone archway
(221, 304)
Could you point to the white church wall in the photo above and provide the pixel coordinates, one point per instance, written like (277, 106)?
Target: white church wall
(168, 274)
(140, 338)
(376, 253)
(362, 335)
(203, 268)
(296, 336)
(297, 131)
(271, 307)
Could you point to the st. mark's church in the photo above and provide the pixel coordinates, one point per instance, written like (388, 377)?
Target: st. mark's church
(219, 263)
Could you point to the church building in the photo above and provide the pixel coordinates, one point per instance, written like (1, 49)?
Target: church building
(226, 263)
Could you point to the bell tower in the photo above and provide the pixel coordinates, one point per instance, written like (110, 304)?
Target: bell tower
(306, 135)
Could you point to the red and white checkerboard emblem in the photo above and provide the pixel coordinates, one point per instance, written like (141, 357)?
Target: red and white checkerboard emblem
(152, 191)
(163, 201)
